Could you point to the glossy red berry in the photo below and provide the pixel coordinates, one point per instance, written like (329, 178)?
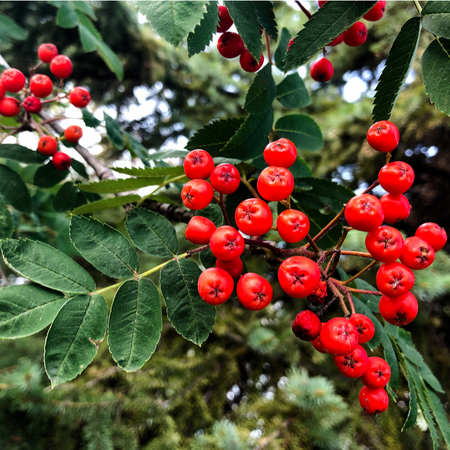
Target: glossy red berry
(197, 194)
(2, 91)
(253, 217)
(383, 136)
(322, 70)
(399, 311)
(394, 279)
(46, 52)
(275, 183)
(198, 164)
(230, 45)
(225, 21)
(248, 63)
(79, 97)
(226, 243)
(225, 178)
(396, 177)
(377, 374)
(322, 2)
(339, 336)
(199, 230)
(280, 153)
(47, 145)
(373, 401)
(433, 234)
(73, 134)
(61, 66)
(385, 244)
(298, 276)
(41, 85)
(215, 286)
(291, 41)
(318, 296)
(307, 325)
(354, 364)
(61, 161)
(317, 345)
(337, 40)
(395, 207)
(292, 226)
(13, 80)
(233, 267)
(356, 35)
(364, 212)
(9, 107)
(364, 326)
(254, 292)
(376, 13)
(32, 105)
(417, 253)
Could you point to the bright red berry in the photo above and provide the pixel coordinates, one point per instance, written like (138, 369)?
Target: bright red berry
(253, 217)
(2, 91)
(433, 234)
(233, 267)
(354, 364)
(399, 311)
(394, 279)
(199, 230)
(356, 35)
(395, 207)
(46, 52)
(226, 243)
(225, 178)
(9, 107)
(248, 63)
(275, 183)
(322, 70)
(317, 345)
(307, 325)
(254, 292)
(79, 97)
(337, 40)
(61, 161)
(364, 326)
(291, 41)
(377, 374)
(215, 286)
(197, 194)
(61, 66)
(339, 336)
(364, 212)
(298, 276)
(198, 164)
(281, 153)
(383, 136)
(317, 298)
(376, 13)
(385, 244)
(32, 105)
(41, 85)
(292, 226)
(322, 2)
(230, 45)
(13, 80)
(225, 21)
(73, 134)
(373, 401)
(417, 253)
(47, 145)
(396, 177)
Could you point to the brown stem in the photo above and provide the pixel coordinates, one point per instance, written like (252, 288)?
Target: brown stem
(196, 250)
(388, 157)
(350, 301)
(53, 119)
(336, 292)
(305, 11)
(299, 251)
(327, 305)
(259, 243)
(10, 133)
(328, 227)
(354, 277)
(224, 210)
(372, 186)
(342, 239)
(250, 187)
(312, 243)
(352, 253)
(269, 55)
(37, 127)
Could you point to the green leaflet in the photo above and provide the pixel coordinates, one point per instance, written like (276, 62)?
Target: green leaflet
(152, 172)
(203, 32)
(66, 17)
(116, 186)
(213, 213)
(302, 130)
(114, 132)
(281, 50)
(261, 93)
(292, 92)
(136, 148)
(14, 190)
(48, 176)
(436, 18)
(6, 220)
(106, 203)
(79, 168)
(22, 154)
(89, 119)
(208, 259)
(411, 419)
(11, 30)
(166, 154)
(66, 197)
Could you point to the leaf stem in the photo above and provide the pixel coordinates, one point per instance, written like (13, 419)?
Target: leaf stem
(250, 187)
(312, 243)
(305, 11)
(223, 209)
(269, 55)
(418, 7)
(171, 180)
(328, 227)
(354, 277)
(352, 253)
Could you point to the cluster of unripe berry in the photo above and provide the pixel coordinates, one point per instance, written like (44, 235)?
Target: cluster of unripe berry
(39, 87)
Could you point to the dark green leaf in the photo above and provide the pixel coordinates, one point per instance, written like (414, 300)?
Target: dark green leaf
(88, 41)
(281, 50)
(89, 119)
(14, 190)
(105, 203)
(22, 154)
(114, 132)
(436, 7)
(266, 18)
(292, 92)
(412, 413)
(439, 414)
(436, 18)
(300, 169)
(370, 300)
(122, 185)
(213, 213)
(66, 197)
(151, 171)
(6, 220)
(85, 8)
(79, 168)
(208, 259)
(136, 148)
(404, 341)
(66, 17)
(261, 92)
(203, 33)
(111, 59)
(428, 376)
(48, 176)
(302, 130)
(391, 359)
(166, 154)
(11, 30)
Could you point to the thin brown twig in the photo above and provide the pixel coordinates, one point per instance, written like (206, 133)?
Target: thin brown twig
(10, 133)
(305, 11)
(328, 227)
(269, 54)
(354, 277)
(312, 243)
(336, 292)
(249, 187)
(189, 253)
(224, 210)
(327, 305)
(352, 253)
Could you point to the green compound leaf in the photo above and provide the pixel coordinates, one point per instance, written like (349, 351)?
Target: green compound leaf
(411, 419)
(48, 176)
(281, 50)
(72, 340)
(22, 154)
(208, 259)
(439, 414)
(166, 154)
(66, 17)
(391, 358)
(261, 92)
(300, 169)
(114, 132)
(116, 186)
(190, 315)
(371, 301)
(85, 8)
(152, 172)
(6, 220)
(173, 20)
(66, 197)
(292, 92)
(152, 233)
(204, 32)
(135, 324)
(11, 30)
(46, 266)
(89, 119)
(213, 213)
(136, 148)
(79, 168)
(302, 130)
(429, 377)
(106, 203)
(332, 20)
(436, 73)
(436, 18)
(26, 309)
(104, 247)
(14, 190)
(266, 18)
(397, 67)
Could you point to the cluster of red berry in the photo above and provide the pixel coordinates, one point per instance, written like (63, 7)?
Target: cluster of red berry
(231, 45)
(41, 86)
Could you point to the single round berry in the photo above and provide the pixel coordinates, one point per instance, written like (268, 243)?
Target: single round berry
(354, 364)
(230, 45)
(376, 13)
(394, 279)
(373, 401)
(46, 52)
(383, 136)
(364, 326)
(32, 105)
(2, 91)
(197, 194)
(275, 183)
(13, 80)
(377, 374)
(281, 153)
(399, 311)
(322, 70)
(225, 21)
(395, 207)
(198, 164)
(253, 217)
(47, 145)
(298, 276)
(9, 107)
(79, 97)
(291, 41)
(317, 345)
(226, 243)
(318, 296)
(292, 226)
(41, 85)
(233, 267)
(356, 35)
(61, 161)
(339, 336)
(225, 178)
(215, 286)
(385, 244)
(364, 212)
(417, 253)
(254, 292)
(396, 177)
(248, 63)
(73, 134)
(337, 40)
(307, 325)
(433, 234)
(61, 66)
(199, 230)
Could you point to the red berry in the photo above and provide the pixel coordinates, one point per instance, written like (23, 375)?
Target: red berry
(215, 286)
(317, 298)
(32, 105)
(292, 226)
(322, 2)
(281, 153)
(226, 243)
(395, 207)
(354, 364)
(41, 85)
(396, 177)
(339, 336)
(225, 21)
(291, 41)
(61, 66)
(400, 310)
(383, 136)
(373, 401)
(13, 80)
(253, 217)
(364, 212)
(322, 70)
(9, 107)
(376, 13)
(73, 134)
(198, 164)
(254, 292)
(317, 345)
(364, 326)
(306, 325)
(298, 276)
(377, 374)
(197, 194)
(199, 230)
(248, 63)
(337, 41)
(275, 183)
(394, 279)
(225, 178)
(355, 35)
(47, 145)
(233, 267)
(433, 234)
(385, 244)
(61, 161)
(230, 45)
(79, 97)
(417, 254)
(46, 52)
(2, 91)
